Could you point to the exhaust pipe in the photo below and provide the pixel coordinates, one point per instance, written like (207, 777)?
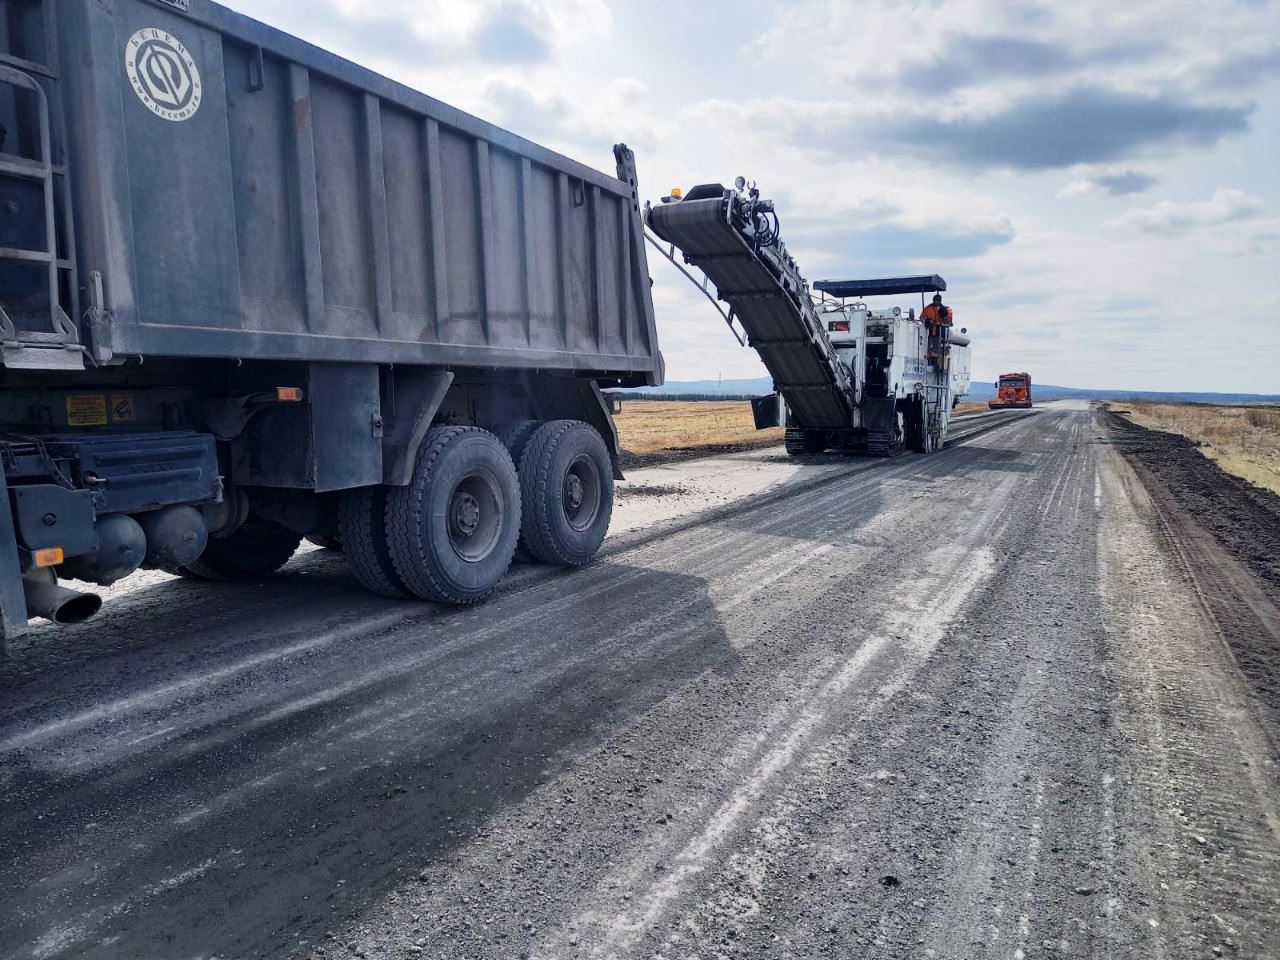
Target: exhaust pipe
(59, 604)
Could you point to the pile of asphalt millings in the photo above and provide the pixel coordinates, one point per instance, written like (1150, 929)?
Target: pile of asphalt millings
(1244, 518)
(1245, 521)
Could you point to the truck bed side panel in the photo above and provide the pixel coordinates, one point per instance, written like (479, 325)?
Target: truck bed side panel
(310, 209)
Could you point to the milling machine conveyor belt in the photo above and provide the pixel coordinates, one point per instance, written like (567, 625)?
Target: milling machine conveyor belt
(770, 299)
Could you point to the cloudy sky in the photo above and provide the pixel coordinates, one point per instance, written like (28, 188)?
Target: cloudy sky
(1099, 182)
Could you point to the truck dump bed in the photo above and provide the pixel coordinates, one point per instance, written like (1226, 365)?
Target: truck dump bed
(241, 193)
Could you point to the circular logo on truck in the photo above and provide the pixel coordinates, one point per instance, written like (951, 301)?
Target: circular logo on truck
(163, 74)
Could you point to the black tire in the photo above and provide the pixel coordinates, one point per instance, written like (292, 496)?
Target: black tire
(515, 437)
(453, 531)
(800, 442)
(362, 527)
(566, 487)
(257, 549)
(326, 543)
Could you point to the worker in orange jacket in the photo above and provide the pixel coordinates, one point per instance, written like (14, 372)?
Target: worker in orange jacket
(937, 314)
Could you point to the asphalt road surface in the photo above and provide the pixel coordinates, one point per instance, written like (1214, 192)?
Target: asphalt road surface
(962, 706)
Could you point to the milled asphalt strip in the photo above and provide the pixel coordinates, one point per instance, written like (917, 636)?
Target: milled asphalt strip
(751, 501)
(381, 622)
(925, 607)
(365, 630)
(521, 580)
(987, 414)
(1000, 418)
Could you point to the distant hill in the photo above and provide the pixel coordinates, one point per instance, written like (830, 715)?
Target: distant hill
(979, 390)
(720, 388)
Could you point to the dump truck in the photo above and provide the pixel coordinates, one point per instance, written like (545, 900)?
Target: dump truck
(846, 377)
(1013, 392)
(251, 292)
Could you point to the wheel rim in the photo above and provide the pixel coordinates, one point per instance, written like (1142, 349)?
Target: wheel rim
(581, 495)
(475, 516)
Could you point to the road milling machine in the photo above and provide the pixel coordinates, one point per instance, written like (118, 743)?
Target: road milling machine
(851, 378)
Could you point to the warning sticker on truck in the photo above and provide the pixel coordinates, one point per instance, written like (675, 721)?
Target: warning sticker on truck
(123, 409)
(87, 410)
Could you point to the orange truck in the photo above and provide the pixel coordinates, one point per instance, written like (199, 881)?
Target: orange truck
(1013, 390)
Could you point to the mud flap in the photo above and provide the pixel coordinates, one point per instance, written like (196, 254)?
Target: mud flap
(768, 411)
(13, 602)
(416, 395)
(597, 413)
(879, 414)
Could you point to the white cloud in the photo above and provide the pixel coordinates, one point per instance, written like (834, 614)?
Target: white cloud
(1177, 218)
(1081, 125)
(898, 136)
(982, 52)
(1116, 182)
(587, 123)
(445, 28)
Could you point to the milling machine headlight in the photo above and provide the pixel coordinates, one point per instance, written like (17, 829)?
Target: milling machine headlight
(740, 183)
(897, 311)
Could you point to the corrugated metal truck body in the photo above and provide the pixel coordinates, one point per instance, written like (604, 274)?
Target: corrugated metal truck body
(231, 257)
(311, 209)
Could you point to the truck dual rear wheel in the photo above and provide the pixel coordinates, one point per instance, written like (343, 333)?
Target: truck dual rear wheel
(515, 437)
(257, 549)
(566, 486)
(362, 528)
(451, 533)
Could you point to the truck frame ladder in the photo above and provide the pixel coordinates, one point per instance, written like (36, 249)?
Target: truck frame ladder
(50, 341)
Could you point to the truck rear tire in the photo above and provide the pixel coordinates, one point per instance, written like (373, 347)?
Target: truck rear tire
(566, 486)
(362, 528)
(257, 549)
(453, 530)
(515, 437)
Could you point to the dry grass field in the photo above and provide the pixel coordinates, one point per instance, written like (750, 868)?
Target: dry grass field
(970, 406)
(651, 426)
(1242, 440)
